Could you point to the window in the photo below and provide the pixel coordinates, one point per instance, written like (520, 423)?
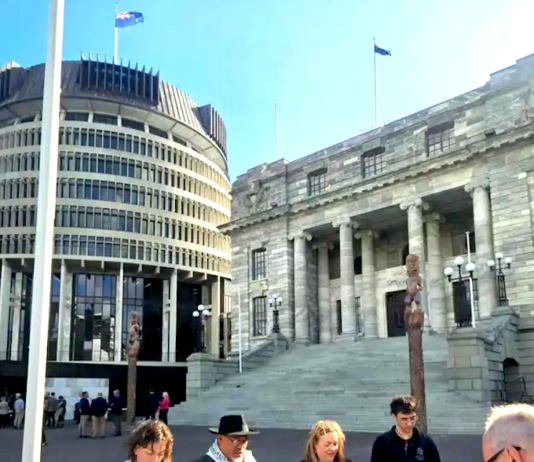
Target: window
(129, 123)
(105, 119)
(440, 139)
(77, 116)
(157, 131)
(259, 316)
(259, 270)
(339, 317)
(178, 140)
(373, 162)
(317, 182)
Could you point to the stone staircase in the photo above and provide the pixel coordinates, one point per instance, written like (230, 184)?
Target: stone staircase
(351, 382)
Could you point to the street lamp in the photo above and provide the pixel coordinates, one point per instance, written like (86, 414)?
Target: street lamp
(501, 281)
(275, 303)
(470, 268)
(200, 315)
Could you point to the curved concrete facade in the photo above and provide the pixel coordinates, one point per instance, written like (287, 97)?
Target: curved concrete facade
(142, 187)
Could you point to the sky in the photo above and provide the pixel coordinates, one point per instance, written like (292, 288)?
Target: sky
(313, 58)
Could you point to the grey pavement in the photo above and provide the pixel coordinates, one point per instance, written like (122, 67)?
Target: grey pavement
(192, 442)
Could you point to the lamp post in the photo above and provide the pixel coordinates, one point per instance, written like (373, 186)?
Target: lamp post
(200, 315)
(275, 303)
(470, 268)
(501, 281)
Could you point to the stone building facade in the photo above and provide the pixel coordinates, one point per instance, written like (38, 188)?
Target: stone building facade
(325, 236)
(142, 186)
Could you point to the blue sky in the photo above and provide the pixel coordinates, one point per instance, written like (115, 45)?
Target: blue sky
(312, 57)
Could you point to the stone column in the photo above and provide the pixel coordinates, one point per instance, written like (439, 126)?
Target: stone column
(173, 315)
(17, 307)
(215, 317)
(302, 318)
(323, 278)
(65, 314)
(487, 289)
(368, 300)
(5, 303)
(436, 280)
(348, 295)
(119, 297)
(416, 245)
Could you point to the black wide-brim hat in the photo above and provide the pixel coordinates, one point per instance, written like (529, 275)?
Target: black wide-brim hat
(233, 425)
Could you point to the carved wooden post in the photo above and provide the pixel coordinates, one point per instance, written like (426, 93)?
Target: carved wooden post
(414, 320)
(133, 353)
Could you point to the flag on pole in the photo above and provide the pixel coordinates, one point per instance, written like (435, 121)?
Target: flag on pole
(128, 19)
(381, 51)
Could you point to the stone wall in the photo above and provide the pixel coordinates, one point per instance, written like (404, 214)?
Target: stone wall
(525, 350)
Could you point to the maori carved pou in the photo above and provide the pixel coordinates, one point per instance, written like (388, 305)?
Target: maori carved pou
(413, 321)
(134, 337)
(414, 283)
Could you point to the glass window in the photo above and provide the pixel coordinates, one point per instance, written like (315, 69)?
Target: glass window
(373, 162)
(259, 270)
(317, 182)
(259, 316)
(105, 119)
(441, 139)
(77, 116)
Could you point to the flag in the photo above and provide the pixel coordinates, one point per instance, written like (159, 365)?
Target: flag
(381, 51)
(128, 19)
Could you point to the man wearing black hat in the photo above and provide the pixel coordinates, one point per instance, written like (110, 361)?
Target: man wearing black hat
(231, 443)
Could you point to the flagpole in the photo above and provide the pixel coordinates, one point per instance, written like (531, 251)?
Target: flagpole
(115, 56)
(376, 97)
(275, 133)
(46, 207)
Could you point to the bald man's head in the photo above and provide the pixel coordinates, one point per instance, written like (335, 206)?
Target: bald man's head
(508, 428)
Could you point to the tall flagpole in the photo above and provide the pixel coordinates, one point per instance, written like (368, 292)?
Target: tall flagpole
(115, 56)
(376, 97)
(46, 208)
(275, 133)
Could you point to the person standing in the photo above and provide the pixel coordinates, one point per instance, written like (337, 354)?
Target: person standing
(152, 404)
(4, 412)
(85, 415)
(404, 442)
(53, 406)
(509, 434)
(326, 443)
(164, 405)
(77, 408)
(115, 412)
(44, 441)
(19, 411)
(61, 412)
(99, 407)
(231, 442)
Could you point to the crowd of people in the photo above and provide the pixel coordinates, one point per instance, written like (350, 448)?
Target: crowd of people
(508, 437)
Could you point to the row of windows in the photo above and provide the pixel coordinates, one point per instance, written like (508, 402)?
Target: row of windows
(139, 195)
(439, 140)
(119, 220)
(118, 141)
(117, 166)
(91, 246)
(115, 192)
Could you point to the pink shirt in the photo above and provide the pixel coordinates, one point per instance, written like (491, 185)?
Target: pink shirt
(164, 403)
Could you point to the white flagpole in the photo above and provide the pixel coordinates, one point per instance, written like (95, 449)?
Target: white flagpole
(473, 321)
(275, 132)
(46, 207)
(376, 97)
(115, 56)
(239, 328)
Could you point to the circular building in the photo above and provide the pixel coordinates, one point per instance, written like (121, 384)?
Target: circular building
(142, 187)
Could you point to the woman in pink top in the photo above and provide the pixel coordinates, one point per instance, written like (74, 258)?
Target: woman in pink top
(164, 407)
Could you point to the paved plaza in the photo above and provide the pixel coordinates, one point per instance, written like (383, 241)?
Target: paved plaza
(192, 442)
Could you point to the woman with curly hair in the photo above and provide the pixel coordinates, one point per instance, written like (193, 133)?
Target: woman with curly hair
(326, 443)
(151, 441)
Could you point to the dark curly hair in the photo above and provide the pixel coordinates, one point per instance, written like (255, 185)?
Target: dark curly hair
(150, 432)
(403, 404)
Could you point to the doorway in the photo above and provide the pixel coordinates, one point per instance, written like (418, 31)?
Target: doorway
(395, 313)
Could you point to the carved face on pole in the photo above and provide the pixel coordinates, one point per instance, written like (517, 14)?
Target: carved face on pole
(412, 265)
